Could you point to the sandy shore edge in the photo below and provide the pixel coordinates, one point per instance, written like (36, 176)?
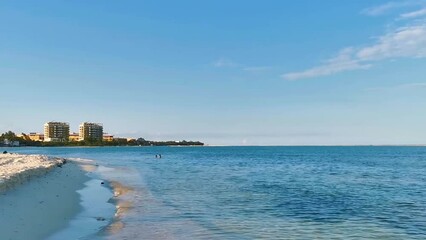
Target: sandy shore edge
(42, 196)
(16, 169)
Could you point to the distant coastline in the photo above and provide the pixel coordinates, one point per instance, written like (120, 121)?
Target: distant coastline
(10, 139)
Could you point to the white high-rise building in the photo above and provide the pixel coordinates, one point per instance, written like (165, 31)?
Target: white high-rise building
(92, 131)
(56, 132)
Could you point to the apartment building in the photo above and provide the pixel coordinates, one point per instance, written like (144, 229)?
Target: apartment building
(74, 137)
(108, 138)
(36, 137)
(56, 132)
(93, 131)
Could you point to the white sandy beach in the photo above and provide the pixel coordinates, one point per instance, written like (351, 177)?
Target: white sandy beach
(16, 168)
(50, 198)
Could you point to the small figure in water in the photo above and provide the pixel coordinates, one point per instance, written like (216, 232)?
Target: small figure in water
(157, 155)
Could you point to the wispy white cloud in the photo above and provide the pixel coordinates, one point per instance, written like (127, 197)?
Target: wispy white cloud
(381, 9)
(227, 63)
(224, 62)
(403, 42)
(414, 14)
(344, 61)
(388, 7)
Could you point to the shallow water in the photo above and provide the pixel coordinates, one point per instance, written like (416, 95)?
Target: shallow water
(267, 192)
(95, 213)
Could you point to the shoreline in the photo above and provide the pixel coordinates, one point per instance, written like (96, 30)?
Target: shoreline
(53, 198)
(214, 146)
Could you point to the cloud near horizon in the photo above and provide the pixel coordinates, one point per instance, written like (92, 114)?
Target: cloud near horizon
(407, 86)
(403, 42)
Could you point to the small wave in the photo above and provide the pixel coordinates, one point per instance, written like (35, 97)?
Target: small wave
(82, 160)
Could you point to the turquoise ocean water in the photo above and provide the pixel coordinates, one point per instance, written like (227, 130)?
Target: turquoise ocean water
(267, 192)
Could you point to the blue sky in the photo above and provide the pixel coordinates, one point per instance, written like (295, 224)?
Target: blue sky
(223, 72)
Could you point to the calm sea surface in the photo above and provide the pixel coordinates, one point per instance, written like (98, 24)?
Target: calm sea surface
(267, 192)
